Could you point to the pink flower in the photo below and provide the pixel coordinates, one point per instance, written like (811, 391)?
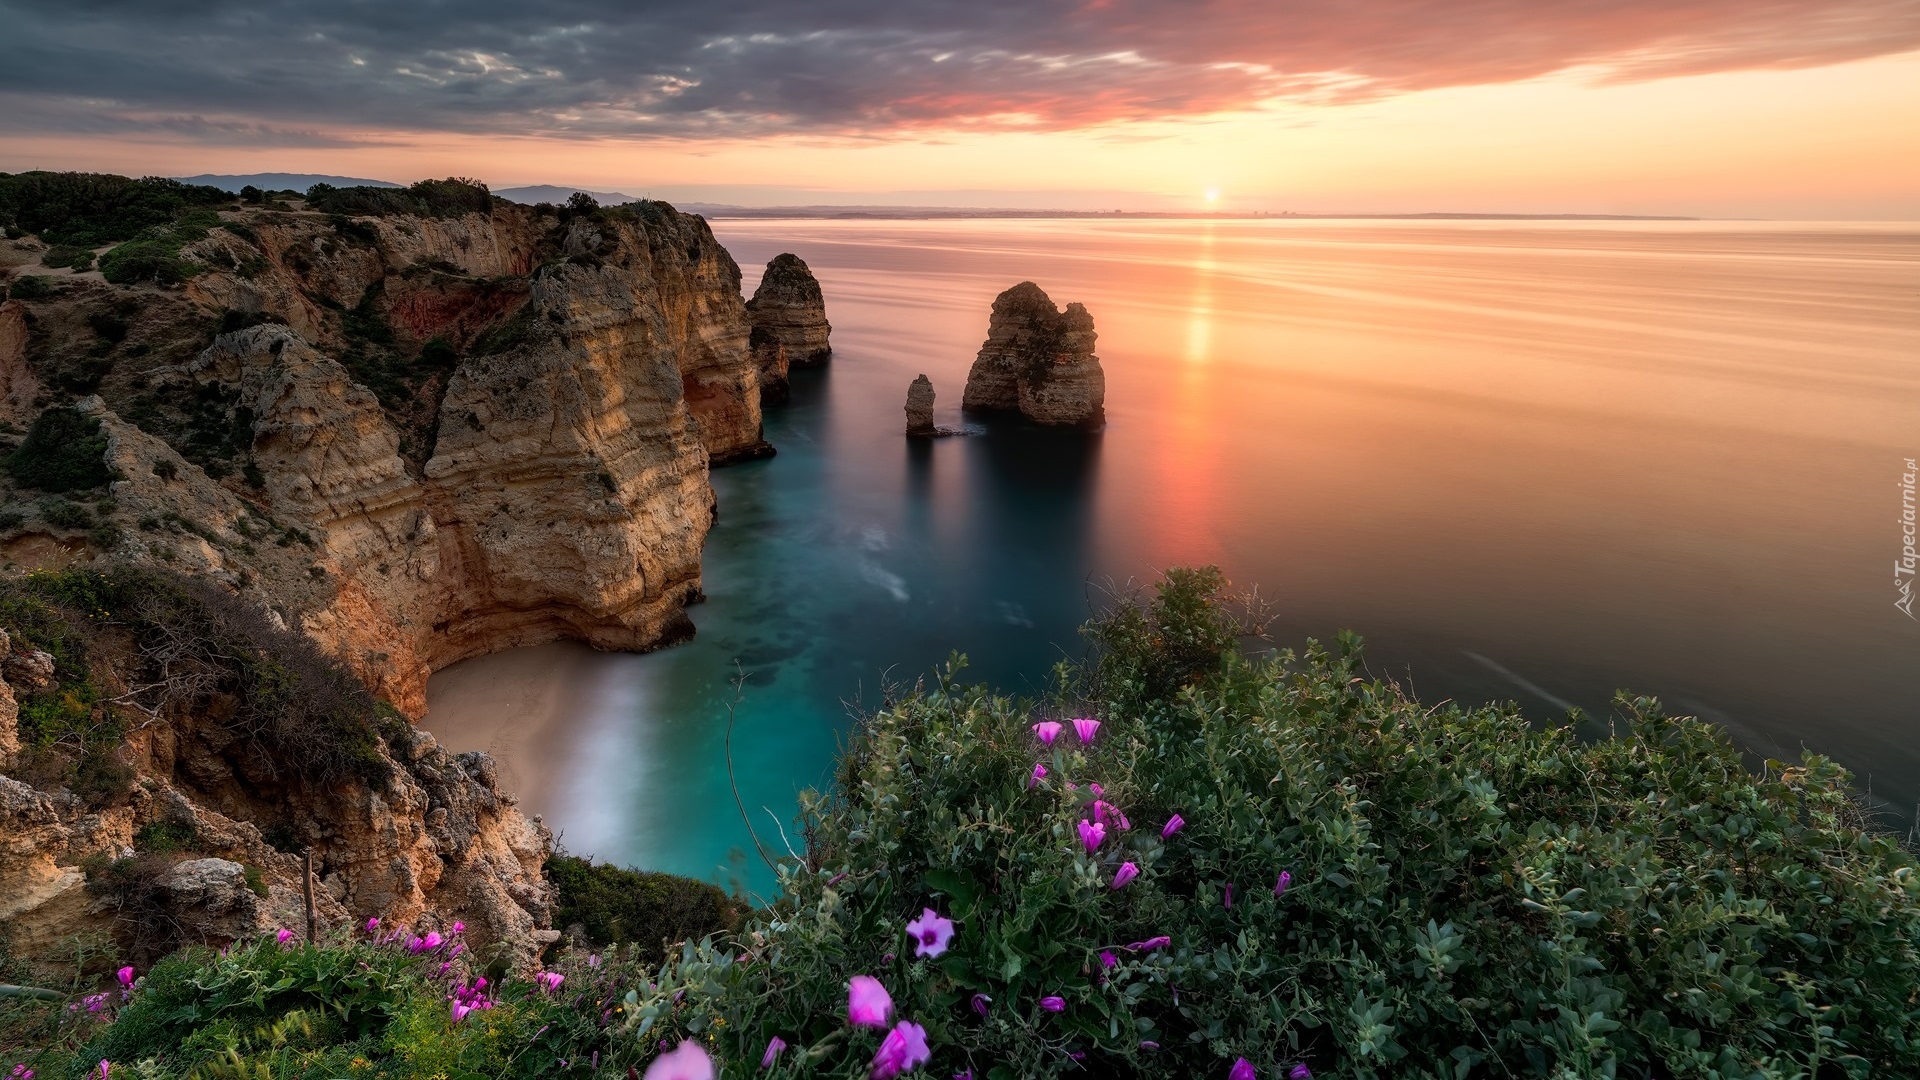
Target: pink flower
(1126, 873)
(1091, 834)
(903, 1050)
(1300, 1072)
(593, 960)
(549, 981)
(106, 1068)
(684, 1062)
(1047, 731)
(1107, 959)
(460, 1011)
(1150, 944)
(1280, 883)
(1097, 790)
(1053, 1003)
(980, 1003)
(125, 975)
(1174, 824)
(1103, 810)
(774, 1046)
(1149, 1044)
(1039, 774)
(1226, 898)
(20, 1072)
(458, 928)
(868, 1004)
(1086, 728)
(373, 925)
(930, 933)
(1242, 1070)
(283, 936)
(94, 1002)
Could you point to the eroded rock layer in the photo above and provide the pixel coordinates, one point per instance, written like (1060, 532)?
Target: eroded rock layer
(1038, 360)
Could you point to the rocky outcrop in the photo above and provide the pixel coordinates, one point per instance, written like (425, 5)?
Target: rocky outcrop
(920, 406)
(789, 318)
(18, 386)
(1038, 360)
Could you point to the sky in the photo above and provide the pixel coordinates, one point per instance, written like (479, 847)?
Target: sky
(1719, 108)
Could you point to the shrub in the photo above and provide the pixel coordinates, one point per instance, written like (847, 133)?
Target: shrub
(89, 209)
(451, 197)
(155, 261)
(63, 514)
(64, 451)
(610, 905)
(78, 258)
(32, 287)
(111, 328)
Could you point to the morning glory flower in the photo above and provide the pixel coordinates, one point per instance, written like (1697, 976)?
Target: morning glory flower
(930, 933)
(1039, 774)
(903, 1050)
(1150, 944)
(1242, 1070)
(868, 1004)
(1091, 834)
(1174, 825)
(1107, 959)
(1053, 1003)
(774, 1046)
(980, 1003)
(688, 1061)
(1149, 1044)
(1047, 731)
(1226, 899)
(125, 975)
(1300, 1072)
(1126, 873)
(1280, 883)
(283, 936)
(1086, 728)
(549, 981)
(373, 925)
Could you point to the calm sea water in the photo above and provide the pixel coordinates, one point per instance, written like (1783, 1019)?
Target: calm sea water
(1528, 461)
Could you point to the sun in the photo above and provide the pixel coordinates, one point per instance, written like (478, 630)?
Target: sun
(1213, 196)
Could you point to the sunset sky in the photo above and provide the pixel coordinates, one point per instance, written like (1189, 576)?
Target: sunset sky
(1726, 108)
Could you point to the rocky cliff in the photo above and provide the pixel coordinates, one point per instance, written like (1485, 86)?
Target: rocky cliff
(486, 430)
(789, 319)
(1038, 360)
(920, 406)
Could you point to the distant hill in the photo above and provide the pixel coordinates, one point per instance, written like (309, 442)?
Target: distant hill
(280, 181)
(553, 193)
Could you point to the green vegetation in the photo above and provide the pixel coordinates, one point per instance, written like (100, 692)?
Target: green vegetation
(32, 287)
(451, 197)
(90, 209)
(78, 258)
(1295, 864)
(154, 255)
(610, 905)
(64, 451)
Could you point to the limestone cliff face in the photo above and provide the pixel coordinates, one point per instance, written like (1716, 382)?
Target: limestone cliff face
(790, 327)
(920, 406)
(18, 387)
(1039, 361)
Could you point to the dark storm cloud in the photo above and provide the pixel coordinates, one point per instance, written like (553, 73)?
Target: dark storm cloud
(289, 71)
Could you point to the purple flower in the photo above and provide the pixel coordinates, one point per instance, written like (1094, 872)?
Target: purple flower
(20, 1072)
(1149, 1044)
(125, 975)
(373, 925)
(1086, 728)
(1097, 790)
(1047, 731)
(1280, 884)
(1107, 959)
(837, 878)
(458, 929)
(1242, 1070)
(1091, 834)
(1039, 774)
(1053, 1003)
(684, 1062)
(549, 981)
(1174, 824)
(930, 933)
(283, 936)
(106, 1068)
(94, 1002)
(1150, 944)
(868, 1004)
(593, 960)
(1103, 810)
(1300, 1072)
(1226, 899)
(980, 1003)
(1126, 873)
(963, 1074)
(774, 1046)
(903, 1050)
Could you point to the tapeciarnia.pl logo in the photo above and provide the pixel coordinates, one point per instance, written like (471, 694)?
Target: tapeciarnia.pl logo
(1903, 566)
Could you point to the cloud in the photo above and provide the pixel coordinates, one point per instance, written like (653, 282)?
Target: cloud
(217, 71)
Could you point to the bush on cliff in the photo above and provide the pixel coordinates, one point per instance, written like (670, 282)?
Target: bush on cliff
(451, 197)
(64, 451)
(89, 209)
(610, 905)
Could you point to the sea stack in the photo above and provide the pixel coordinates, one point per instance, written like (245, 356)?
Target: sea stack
(789, 319)
(1038, 361)
(920, 407)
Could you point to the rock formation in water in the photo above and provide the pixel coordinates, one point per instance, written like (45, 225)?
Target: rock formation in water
(920, 407)
(1038, 360)
(789, 319)
(486, 430)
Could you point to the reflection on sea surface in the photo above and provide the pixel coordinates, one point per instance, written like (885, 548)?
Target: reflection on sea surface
(1528, 461)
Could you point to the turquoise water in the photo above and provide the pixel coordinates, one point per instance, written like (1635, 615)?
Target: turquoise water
(1528, 462)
